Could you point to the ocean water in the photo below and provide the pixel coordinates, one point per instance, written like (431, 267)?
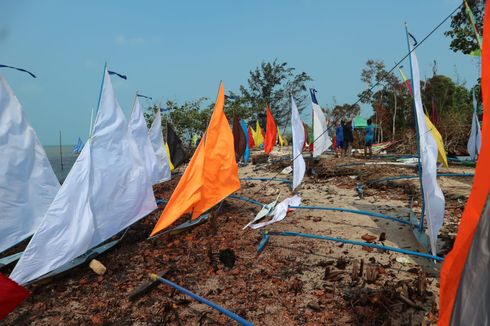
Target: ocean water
(67, 157)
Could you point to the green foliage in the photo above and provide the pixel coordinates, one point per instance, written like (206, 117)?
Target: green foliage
(344, 111)
(274, 83)
(373, 74)
(187, 119)
(461, 33)
(448, 104)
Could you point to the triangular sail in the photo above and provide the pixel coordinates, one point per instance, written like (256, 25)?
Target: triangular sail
(156, 138)
(270, 132)
(465, 276)
(433, 196)
(176, 150)
(239, 139)
(212, 173)
(246, 153)
(474, 142)
(299, 138)
(28, 184)
(320, 135)
(106, 191)
(139, 130)
(78, 147)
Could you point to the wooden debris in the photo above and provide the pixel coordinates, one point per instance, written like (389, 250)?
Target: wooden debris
(97, 267)
(355, 271)
(146, 287)
(368, 238)
(371, 273)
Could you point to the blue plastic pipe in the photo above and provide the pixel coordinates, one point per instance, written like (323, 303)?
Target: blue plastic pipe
(402, 177)
(337, 209)
(352, 242)
(266, 179)
(211, 304)
(354, 211)
(246, 199)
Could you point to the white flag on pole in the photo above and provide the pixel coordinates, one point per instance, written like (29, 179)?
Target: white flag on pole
(137, 126)
(474, 142)
(156, 138)
(320, 135)
(106, 191)
(280, 211)
(433, 196)
(298, 132)
(28, 184)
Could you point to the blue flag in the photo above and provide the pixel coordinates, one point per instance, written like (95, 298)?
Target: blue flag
(246, 153)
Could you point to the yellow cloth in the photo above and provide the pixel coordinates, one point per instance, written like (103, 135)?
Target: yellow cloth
(281, 141)
(172, 167)
(441, 152)
(258, 137)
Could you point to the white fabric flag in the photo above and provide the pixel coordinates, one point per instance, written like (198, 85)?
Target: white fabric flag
(474, 142)
(106, 191)
(137, 126)
(28, 184)
(156, 138)
(433, 196)
(320, 135)
(280, 211)
(298, 132)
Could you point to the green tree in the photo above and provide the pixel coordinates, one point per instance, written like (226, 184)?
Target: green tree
(187, 119)
(274, 83)
(461, 33)
(342, 111)
(450, 107)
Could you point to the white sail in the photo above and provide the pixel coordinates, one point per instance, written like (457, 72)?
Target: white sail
(320, 135)
(474, 142)
(28, 184)
(433, 196)
(137, 126)
(298, 131)
(106, 191)
(156, 138)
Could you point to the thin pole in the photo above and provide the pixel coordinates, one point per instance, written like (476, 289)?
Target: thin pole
(422, 213)
(312, 129)
(101, 88)
(61, 154)
(211, 304)
(91, 122)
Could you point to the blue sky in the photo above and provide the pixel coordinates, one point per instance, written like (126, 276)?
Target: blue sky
(180, 50)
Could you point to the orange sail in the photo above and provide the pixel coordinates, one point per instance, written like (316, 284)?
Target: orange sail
(270, 132)
(464, 298)
(212, 173)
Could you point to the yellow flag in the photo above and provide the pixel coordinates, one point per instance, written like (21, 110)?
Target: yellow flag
(281, 141)
(259, 137)
(441, 152)
(168, 155)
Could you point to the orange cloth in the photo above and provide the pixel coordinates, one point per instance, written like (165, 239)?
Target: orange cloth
(454, 263)
(270, 131)
(212, 173)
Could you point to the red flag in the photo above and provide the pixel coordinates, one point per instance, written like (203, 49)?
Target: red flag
(271, 131)
(11, 295)
(251, 143)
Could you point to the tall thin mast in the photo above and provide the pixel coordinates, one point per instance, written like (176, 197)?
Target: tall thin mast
(61, 154)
